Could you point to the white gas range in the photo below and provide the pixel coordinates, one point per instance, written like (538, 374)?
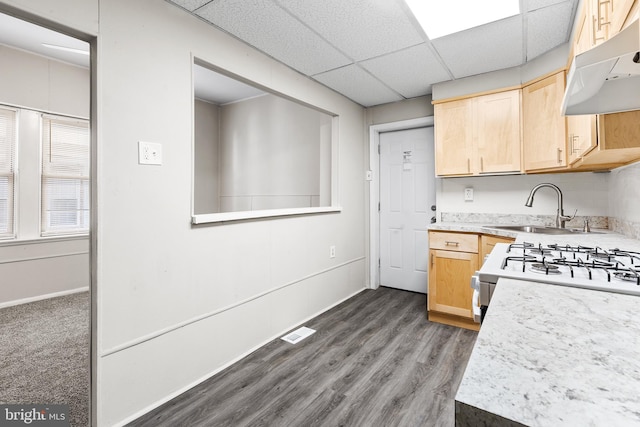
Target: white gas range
(590, 267)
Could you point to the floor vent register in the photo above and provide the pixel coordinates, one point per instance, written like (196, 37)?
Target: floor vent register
(298, 335)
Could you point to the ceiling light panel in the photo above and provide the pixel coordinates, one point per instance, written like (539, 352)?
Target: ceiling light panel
(444, 17)
(483, 49)
(358, 85)
(548, 28)
(266, 26)
(362, 29)
(24, 35)
(409, 72)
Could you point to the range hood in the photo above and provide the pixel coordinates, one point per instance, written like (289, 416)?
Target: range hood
(606, 78)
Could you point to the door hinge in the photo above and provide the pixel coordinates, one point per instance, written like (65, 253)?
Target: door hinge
(378, 206)
(378, 262)
(378, 148)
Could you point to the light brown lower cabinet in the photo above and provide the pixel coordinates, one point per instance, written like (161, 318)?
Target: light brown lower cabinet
(487, 243)
(453, 259)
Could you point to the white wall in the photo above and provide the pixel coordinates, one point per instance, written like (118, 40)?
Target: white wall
(624, 200)
(548, 62)
(270, 155)
(42, 84)
(34, 268)
(176, 303)
(206, 191)
(587, 192)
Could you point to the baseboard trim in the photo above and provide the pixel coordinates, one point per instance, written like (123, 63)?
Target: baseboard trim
(177, 393)
(43, 297)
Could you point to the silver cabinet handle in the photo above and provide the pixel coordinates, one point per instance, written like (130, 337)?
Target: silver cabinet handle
(448, 243)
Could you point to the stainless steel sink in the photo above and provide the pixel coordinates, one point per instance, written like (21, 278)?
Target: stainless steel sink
(539, 229)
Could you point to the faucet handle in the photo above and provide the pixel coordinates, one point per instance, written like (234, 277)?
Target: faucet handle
(569, 218)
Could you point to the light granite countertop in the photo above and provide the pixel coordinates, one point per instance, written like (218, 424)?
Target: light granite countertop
(553, 356)
(605, 239)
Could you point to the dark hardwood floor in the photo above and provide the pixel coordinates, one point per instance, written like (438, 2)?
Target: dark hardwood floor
(375, 360)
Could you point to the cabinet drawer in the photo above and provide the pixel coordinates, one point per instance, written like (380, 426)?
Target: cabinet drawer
(459, 242)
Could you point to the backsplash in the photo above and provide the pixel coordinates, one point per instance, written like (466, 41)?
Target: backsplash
(587, 192)
(608, 200)
(595, 222)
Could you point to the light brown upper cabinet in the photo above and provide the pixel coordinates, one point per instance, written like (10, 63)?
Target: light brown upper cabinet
(582, 136)
(621, 13)
(604, 19)
(599, 14)
(582, 38)
(497, 132)
(453, 137)
(478, 135)
(616, 142)
(543, 127)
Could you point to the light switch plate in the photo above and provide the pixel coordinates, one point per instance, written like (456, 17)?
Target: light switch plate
(149, 153)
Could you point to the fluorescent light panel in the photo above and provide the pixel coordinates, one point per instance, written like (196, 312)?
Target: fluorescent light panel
(439, 18)
(66, 49)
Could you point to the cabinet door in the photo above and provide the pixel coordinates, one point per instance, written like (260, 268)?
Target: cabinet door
(497, 132)
(600, 16)
(620, 12)
(453, 137)
(582, 38)
(582, 136)
(450, 274)
(544, 128)
(489, 242)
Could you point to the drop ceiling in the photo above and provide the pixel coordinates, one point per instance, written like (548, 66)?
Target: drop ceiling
(374, 52)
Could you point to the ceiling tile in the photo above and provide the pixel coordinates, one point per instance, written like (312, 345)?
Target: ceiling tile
(190, 5)
(269, 28)
(358, 85)
(362, 29)
(548, 28)
(482, 49)
(409, 72)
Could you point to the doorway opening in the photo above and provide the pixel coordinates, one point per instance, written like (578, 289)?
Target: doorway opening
(45, 255)
(402, 194)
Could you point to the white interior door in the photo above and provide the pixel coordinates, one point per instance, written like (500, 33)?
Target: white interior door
(407, 192)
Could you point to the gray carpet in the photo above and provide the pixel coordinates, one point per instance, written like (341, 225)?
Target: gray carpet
(44, 354)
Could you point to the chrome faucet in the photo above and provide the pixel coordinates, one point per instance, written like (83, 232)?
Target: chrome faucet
(561, 218)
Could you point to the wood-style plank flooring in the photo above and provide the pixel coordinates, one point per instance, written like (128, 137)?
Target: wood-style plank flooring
(375, 360)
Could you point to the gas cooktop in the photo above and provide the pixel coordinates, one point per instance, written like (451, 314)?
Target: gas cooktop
(610, 269)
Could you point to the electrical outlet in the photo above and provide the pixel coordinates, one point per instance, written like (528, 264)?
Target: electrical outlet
(332, 251)
(149, 153)
(468, 194)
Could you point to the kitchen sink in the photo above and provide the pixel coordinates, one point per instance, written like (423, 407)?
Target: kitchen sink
(538, 229)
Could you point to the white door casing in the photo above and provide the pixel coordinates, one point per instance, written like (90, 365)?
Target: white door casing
(406, 194)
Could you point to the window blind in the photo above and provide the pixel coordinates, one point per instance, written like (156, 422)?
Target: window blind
(65, 176)
(7, 149)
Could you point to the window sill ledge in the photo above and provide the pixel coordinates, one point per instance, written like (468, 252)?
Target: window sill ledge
(248, 215)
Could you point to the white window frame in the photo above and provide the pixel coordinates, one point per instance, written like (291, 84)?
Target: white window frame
(75, 172)
(10, 173)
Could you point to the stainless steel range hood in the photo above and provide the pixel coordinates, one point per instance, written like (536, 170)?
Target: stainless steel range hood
(606, 78)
